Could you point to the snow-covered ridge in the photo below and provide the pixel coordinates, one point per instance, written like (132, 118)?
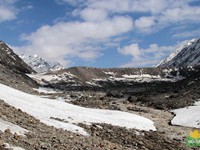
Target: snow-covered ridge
(187, 54)
(41, 65)
(64, 115)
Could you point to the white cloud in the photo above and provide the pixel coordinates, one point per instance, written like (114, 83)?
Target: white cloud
(161, 13)
(188, 34)
(145, 56)
(72, 2)
(132, 50)
(66, 40)
(103, 20)
(7, 10)
(145, 24)
(119, 6)
(89, 14)
(183, 14)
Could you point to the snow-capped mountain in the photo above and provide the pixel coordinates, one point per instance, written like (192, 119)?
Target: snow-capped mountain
(41, 65)
(187, 54)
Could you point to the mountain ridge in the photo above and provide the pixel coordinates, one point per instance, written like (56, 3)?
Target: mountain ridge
(12, 60)
(185, 55)
(41, 65)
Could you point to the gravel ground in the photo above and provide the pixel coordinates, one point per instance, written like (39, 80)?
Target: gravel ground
(103, 136)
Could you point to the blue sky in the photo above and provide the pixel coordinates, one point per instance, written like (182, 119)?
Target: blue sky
(99, 33)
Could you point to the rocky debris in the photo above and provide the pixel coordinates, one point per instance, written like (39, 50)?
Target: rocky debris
(103, 79)
(88, 73)
(133, 139)
(160, 95)
(2, 146)
(161, 118)
(16, 80)
(132, 99)
(102, 102)
(13, 69)
(103, 136)
(137, 109)
(42, 136)
(116, 94)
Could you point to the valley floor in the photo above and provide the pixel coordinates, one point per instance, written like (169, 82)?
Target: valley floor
(102, 136)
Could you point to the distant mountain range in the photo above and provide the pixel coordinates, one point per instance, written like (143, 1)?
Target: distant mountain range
(41, 65)
(187, 54)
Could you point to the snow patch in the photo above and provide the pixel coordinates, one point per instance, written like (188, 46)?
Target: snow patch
(43, 78)
(188, 116)
(13, 128)
(92, 83)
(110, 73)
(64, 115)
(140, 78)
(8, 146)
(47, 90)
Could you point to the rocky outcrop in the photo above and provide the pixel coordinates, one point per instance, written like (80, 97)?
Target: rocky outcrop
(12, 61)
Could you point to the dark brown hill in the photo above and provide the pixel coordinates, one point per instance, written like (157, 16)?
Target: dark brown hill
(13, 61)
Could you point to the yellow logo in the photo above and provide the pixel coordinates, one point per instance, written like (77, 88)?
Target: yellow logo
(194, 139)
(195, 134)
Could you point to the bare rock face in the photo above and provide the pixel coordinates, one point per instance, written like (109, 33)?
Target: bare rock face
(13, 70)
(12, 60)
(187, 54)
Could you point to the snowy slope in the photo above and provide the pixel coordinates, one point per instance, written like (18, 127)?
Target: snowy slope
(51, 112)
(187, 54)
(41, 65)
(188, 116)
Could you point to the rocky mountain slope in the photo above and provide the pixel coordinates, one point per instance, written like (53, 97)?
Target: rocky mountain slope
(41, 65)
(102, 79)
(12, 60)
(13, 70)
(187, 54)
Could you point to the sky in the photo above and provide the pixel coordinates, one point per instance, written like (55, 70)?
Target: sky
(99, 33)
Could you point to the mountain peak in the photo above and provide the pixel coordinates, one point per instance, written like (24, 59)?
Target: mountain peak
(35, 55)
(40, 64)
(187, 54)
